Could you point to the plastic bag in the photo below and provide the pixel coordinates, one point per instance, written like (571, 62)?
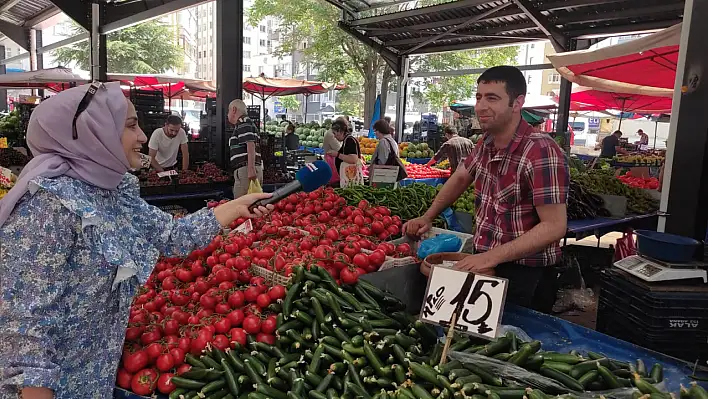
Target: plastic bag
(625, 246)
(254, 187)
(439, 243)
(573, 294)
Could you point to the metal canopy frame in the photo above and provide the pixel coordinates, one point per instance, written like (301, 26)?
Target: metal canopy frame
(397, 29)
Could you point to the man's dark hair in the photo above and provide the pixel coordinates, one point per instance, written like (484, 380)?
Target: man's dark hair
(640, 131)
(339, 126)
(512, 76)
(447, 129)
(174, 120)
(382, 127)
(387, 119)
(617, 132)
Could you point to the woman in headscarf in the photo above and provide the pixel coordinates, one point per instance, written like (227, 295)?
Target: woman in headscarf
(331, 145)
(76, 241)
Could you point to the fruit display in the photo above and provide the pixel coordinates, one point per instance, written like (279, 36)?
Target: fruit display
(6, 184)
(466, 201)
(639, 202)
(640, 159)
(310, 134)
(151, 179)
(476, 137)
(367, 145)
(276, 176)
(11, 126)
(276, 128)
(582, 204)
(412, 150)
(191, 177)
(213, 172)
(649, 183)
(318, 339)
(417, 171)
(445, 164)
(408, 202)
(11, 157)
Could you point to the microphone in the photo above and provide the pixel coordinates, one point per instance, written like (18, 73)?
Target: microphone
(311, 177)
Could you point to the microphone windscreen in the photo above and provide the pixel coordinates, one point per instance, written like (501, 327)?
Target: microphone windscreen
(314, 175)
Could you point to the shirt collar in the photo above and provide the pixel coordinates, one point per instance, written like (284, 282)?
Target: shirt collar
(522, 131)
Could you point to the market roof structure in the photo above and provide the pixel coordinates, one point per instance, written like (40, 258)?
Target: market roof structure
(399, 28)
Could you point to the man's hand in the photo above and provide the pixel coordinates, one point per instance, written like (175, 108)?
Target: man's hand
(417, 227)
(479, 263)
(431, 162)
(252, 175)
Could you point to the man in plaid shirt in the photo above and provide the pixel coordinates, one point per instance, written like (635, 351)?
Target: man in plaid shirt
(521, 185)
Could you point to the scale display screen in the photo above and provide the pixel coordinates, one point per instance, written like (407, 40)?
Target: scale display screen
(630, 262)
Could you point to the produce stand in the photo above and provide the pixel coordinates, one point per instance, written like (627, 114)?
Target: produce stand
(421, 161)
(598, 227)
(315, 150)
(430, 182)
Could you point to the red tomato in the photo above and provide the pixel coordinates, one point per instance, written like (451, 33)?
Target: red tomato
(277, 292)
(263, 300)
(377, 258)
(236, 299)
(123, 378)
(134, 362)
(165, 362)
(348, 276)
(266, 338)
(164, 383)
(251, 294)
(178, 355)
(252, 324)
(238, 335)
(269, 325)
(154, 350)
(221, 341)
(236, 317)
(222, 326)
(183, 368)
(143, 382)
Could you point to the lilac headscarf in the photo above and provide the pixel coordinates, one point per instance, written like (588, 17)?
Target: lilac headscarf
(96, 158)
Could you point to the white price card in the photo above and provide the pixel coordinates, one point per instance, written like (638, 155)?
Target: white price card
(477, 299)
(167, 173)
(244, 228)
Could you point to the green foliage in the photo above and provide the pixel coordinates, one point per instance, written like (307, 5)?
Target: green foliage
(290, 103)
(149, 47)
(441, 90)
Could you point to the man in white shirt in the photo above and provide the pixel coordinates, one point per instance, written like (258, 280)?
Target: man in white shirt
(166, 142)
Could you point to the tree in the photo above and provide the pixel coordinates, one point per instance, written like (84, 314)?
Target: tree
(440, 91)
(310, 26)
(290, 103)
(146, 48)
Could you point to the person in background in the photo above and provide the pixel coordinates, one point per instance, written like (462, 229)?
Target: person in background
(391, 128)
(292, 142)
(266, 117)
(521, 182)
(83, 242)
(455, 149)
(385, 146)
(643, 137)
(331, 145)
(245, 160)
(166, 142)
(611, 145)
(283, 118)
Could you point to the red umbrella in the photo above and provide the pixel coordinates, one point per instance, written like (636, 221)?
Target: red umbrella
(624, 102)
(643, 66)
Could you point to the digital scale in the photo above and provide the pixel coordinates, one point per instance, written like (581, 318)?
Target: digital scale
(653, 270)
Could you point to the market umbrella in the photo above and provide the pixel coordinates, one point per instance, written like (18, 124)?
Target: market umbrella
(42, 79)
(623, 102)
(645, 66)
(376, 116)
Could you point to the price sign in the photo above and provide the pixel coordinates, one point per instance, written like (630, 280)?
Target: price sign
(478, 301)
(167, 173)
(244, 228)
(3, 142)
(384, 176)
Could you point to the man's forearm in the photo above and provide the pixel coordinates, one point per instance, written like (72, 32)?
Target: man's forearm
(251, 151)
(451, 191)
(155, 165)
(185, 161)
(532, 242)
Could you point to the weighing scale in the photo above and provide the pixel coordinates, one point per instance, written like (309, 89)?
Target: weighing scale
(654, 270)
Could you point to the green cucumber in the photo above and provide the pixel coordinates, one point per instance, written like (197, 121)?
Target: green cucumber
(486, 376)
(560, 366)
(568, 381)
(588, 378)
(607, 376)
(657, 372)
(525, 351)
(187, 383)
(561, 358)
(497, 346)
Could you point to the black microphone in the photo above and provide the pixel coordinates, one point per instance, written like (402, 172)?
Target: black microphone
(311, 177)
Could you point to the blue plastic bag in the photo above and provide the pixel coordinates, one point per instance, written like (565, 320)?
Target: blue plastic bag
(439, 243)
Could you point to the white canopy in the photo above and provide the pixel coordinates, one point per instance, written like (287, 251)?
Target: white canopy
(40, 79)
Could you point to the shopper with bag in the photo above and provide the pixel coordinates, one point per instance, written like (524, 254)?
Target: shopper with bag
(348, 158)
(521, 184)
(245, 158)
(331, 145)
(76, 242)
(386, 152)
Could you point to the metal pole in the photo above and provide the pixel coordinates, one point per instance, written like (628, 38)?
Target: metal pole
(307, 99)
(656, 129)
(401, 99)
(95, 23)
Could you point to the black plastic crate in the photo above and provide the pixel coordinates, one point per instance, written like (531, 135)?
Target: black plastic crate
(147, 191)
(194, 188)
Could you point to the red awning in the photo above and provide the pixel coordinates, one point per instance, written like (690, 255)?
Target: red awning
(264, 87)
(624, 102)
(644, 66)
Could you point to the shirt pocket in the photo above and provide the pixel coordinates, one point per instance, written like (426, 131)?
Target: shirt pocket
(507, 196)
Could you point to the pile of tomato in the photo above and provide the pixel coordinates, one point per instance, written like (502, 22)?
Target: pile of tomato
(417, 171)
(649, 183)
(211, 297)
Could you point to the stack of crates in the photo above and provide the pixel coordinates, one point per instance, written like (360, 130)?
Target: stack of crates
(669, 319)
(150, 108)
(207, 148)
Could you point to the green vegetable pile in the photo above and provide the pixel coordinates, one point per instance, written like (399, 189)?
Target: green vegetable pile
(407, 202)
(604, 182)
(357, 342)
(466, 201)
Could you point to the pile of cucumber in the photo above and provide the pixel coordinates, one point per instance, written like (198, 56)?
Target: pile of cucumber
(357, 342)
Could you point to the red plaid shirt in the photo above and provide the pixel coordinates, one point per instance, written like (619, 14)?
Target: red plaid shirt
(509, 183)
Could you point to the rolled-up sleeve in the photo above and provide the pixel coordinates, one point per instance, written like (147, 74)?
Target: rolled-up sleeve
(35, 246)
(548, 174)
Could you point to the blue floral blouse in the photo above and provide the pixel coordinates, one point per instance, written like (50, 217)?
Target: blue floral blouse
(71, 258)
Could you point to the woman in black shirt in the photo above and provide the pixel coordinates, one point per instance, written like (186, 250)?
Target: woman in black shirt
(349, 152)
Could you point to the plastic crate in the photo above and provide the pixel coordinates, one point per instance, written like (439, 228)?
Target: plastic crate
(271, 278)
(146, 191)
(193, 188)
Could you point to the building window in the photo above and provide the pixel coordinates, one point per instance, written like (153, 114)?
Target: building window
(246, 40)
(246, 54)
(554, 78)
(260, 70)
(247, 68)
(263, 28)
(263, 42)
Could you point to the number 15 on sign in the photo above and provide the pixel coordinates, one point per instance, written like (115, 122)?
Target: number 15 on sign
(478, 301)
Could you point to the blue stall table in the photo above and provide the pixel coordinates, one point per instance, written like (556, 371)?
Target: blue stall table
(562, 336)
(420, 161)
(600, 226)
(430, 182)
(314, 150)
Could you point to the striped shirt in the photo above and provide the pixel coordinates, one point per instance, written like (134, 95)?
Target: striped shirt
(510, 183)
(244, 132)
(455, 150)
